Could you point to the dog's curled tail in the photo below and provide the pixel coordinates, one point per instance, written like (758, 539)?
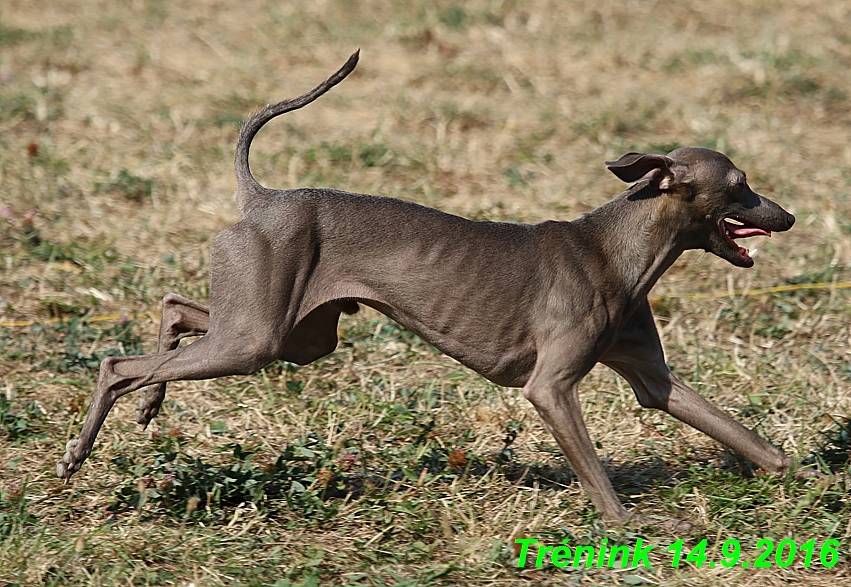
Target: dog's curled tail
(244, 180)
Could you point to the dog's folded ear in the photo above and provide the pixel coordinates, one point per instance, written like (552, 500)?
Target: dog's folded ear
(634, 167)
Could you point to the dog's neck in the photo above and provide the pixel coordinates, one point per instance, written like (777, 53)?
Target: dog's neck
(638, 236)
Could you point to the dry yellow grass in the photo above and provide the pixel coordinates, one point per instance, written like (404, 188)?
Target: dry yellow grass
(117, 125)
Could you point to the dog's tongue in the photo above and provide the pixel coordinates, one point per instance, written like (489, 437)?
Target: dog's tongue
(745, 231)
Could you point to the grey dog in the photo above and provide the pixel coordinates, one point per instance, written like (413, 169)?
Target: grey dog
(531, 306)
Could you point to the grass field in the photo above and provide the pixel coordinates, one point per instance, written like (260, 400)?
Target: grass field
(387, 463)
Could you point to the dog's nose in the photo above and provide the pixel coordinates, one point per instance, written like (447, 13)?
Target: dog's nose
(790, 220)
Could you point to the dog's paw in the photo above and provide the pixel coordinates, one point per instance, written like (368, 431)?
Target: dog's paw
(149, 405)
(71, 462)
(144, 415)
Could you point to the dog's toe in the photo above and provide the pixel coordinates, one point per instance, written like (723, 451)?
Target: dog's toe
(70, 446)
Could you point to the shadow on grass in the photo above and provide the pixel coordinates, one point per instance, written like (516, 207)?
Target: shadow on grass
(314, 478)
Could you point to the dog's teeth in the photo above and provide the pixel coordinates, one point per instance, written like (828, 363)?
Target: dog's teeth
(734, 221)
(753, 252)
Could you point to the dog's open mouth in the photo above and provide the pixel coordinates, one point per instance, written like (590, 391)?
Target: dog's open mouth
(733, 228)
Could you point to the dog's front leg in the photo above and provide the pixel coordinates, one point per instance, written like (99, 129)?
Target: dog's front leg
(557, 401)
(637, 356)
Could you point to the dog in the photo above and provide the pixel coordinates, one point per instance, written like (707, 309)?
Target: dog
(530, 306)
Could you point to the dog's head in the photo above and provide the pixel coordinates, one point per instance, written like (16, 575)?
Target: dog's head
(715, 203)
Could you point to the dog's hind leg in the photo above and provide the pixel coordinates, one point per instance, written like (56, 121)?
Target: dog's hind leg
(181, 318)
(313, 337)
(253, 306)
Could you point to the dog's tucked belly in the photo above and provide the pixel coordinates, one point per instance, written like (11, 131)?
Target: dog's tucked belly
(505, 362)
